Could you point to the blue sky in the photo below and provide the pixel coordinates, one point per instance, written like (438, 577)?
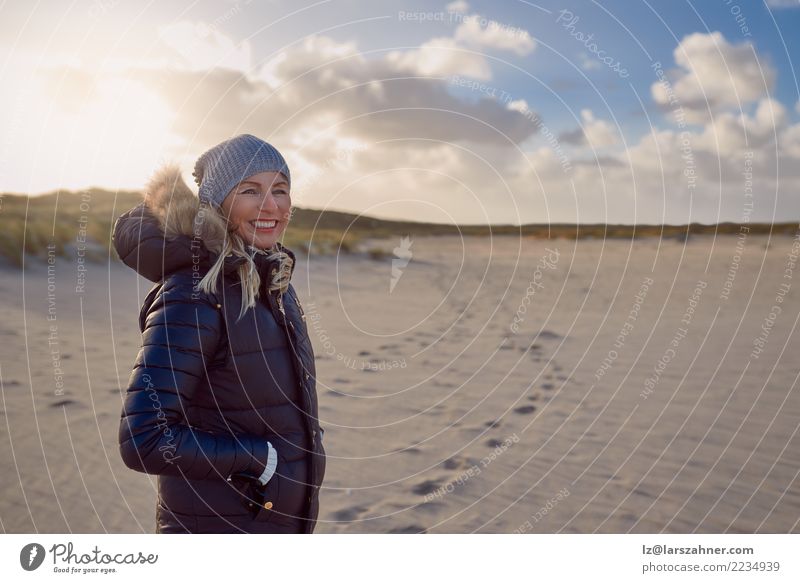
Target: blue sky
(466, 112)
(648, 31)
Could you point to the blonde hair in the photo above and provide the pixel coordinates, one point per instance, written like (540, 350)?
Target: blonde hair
(180, 212)
(232, 243)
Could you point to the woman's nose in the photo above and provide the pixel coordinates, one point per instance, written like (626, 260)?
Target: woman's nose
(269, 202)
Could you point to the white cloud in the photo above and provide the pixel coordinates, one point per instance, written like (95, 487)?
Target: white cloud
(730, 134)
(714, 75)
(790, 141)
(594, 133)
(457, 6)
(477, 31)
(599, 133)
(589, 64)
(443, 56)
(518, 105)
(462, 54)
(203, 47)
(319, 95)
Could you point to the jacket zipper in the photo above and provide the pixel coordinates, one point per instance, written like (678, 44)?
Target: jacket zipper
(301, 374)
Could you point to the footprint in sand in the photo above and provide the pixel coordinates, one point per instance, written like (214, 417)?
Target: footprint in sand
(447, 384)
(426, 487)
(451, 463)
(548, 335)
(410, 529)
(63, 403)
(349, 514)
(413, 450)
(456, 462)
(493, 443)
(429, 507)
(525, 409)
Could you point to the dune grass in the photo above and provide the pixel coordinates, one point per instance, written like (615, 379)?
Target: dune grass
(35, 226)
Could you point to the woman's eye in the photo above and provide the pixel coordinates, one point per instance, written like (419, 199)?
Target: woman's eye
(254, 192)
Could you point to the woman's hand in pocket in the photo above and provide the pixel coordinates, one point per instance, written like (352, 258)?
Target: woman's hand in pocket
(254, 490)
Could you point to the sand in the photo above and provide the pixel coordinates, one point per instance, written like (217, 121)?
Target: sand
(501, 385)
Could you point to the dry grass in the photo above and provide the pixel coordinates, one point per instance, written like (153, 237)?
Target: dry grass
(39, 223)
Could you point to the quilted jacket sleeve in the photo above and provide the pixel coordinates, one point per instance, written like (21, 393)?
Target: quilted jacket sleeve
(180, 334)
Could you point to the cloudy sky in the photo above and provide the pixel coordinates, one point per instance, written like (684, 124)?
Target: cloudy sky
(636, 111)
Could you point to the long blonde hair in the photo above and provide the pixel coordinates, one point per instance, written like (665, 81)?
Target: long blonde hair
(233, 244)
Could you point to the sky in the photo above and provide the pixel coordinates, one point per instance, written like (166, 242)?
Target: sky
(468, 112)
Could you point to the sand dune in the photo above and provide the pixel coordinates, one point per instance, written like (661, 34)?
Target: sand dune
(498, 385)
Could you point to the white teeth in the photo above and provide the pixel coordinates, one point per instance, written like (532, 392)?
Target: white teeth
(264, 224)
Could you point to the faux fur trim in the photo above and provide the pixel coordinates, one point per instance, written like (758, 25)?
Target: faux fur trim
(178, 209)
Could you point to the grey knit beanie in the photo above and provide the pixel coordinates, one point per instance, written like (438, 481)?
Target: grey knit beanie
(225, 165)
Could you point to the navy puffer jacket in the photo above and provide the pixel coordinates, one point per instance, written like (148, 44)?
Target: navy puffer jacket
(207, 391)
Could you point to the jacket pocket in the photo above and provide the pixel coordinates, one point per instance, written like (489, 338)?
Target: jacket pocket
(272, 492)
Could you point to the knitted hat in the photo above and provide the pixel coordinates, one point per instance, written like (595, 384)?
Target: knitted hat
(227, 164)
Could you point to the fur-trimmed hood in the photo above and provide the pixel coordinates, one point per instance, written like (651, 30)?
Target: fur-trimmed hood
(170, 231)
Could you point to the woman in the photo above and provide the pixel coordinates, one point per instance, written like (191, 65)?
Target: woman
(221, 403)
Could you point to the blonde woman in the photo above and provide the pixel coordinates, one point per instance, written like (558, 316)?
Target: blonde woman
(221, 403)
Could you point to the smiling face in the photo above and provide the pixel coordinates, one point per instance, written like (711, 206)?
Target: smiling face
(259, 208)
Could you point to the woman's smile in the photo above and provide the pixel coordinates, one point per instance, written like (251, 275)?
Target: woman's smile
(246, 205)
(264, 225)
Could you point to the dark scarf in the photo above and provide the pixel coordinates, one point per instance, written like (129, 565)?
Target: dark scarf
(265, 266)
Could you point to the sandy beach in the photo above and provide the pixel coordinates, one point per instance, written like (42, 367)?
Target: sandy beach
(469, 385)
